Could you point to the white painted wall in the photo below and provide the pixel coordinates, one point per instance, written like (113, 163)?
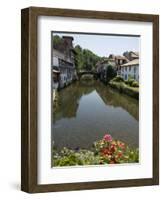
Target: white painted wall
(127, 73)
(55, 61)
(10, 100)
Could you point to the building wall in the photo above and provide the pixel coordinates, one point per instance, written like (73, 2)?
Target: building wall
(130, 72)
(67, 73)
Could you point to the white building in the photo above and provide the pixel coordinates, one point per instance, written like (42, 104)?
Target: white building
(130, 70)
(63, 63)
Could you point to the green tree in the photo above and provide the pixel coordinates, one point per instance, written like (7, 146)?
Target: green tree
(110, 73)
(57, 41)
(79, 60)
(85, 59)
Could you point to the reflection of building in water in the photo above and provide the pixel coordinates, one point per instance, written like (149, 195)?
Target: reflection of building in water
(64, 71)
(71, 96)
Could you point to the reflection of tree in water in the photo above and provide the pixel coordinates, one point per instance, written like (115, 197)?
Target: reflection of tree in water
(70, 96)
(113, 98)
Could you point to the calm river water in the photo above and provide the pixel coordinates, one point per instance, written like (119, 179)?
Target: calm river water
(88, 110)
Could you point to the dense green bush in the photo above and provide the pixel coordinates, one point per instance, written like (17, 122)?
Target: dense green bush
(118, 79)
(123, 88)
(68, 157)
(110, 73)
(105, 151)
(129, 81)
(135, 84)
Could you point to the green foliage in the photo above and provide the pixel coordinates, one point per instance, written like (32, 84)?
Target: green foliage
(110, 73)
(118, 79)
(57, 42)
(124, 88)
(85, 59)
(105, 151)
(135, 84)
(129, 81)
(79, 59)
(68, 157)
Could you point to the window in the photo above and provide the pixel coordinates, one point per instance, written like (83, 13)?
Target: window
(129, 68)
(125, 76)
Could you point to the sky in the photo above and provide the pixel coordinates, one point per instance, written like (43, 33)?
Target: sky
(104, 45)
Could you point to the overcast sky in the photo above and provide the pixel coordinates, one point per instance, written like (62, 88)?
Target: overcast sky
(103, 45)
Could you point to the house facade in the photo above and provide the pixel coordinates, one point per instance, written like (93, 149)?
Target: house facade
(130, 70)
(120, 60)
(112, 60)
(126, 66)
(101, 68)
(64, 71)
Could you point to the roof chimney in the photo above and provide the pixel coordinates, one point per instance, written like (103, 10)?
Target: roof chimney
(68, 40)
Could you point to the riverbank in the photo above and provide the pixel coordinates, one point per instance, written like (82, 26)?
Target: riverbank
(124, 88)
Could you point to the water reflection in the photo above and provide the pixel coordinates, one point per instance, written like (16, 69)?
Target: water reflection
(88, 109)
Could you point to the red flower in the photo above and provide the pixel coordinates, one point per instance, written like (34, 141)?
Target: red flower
(107, 138)
(106, 152)
(119, 154)
(121, 145)
(113, 148)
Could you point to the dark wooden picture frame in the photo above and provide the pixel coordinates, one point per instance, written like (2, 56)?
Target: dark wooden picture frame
(29, 99)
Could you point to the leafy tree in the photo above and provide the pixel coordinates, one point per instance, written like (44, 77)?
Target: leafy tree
(57, 41)
(85, 59)
(110, 72)
(79, 61)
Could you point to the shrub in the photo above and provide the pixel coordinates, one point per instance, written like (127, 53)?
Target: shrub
(118, 79)
(110, 73)
(126, 89)
(135, 84)
(129, 81)
(115, 151)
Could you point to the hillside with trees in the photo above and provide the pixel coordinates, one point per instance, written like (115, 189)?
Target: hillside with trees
(85, 59)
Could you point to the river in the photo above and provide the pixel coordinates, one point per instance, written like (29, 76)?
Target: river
(88, 110)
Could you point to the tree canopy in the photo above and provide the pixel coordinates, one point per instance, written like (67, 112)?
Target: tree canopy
(111, 73)
(85, 59)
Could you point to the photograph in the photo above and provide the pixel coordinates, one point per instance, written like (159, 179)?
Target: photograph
(95, 99)
(89, 99)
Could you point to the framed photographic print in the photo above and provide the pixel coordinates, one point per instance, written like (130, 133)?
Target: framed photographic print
(90, 99)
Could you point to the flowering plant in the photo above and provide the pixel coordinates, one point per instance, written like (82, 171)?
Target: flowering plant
(105, 151)
(115, 151)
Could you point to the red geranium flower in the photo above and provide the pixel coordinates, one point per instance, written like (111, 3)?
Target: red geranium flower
(107, 138)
